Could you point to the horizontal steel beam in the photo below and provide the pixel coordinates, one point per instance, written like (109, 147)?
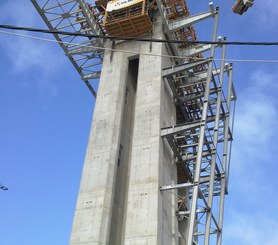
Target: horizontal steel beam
(169, 131)
(58, 5)
(193, 51)
(198, 211)
(93, 75)
(194, 96)
(177, 186)
(189, 21)
(190, 156)
(170, 71)
(82, 50)
(203, 233)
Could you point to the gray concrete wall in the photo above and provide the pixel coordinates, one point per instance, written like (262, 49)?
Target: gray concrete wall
(119, 201)
(119, 206)
(150, 217)
(96, 195)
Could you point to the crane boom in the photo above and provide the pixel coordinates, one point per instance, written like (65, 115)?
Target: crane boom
(75, 16)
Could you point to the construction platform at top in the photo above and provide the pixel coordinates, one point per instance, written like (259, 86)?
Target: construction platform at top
(133, 18)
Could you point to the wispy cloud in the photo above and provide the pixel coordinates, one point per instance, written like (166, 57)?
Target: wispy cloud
(17, 12)
(251, 229)
(255, 127)
(252, 220)
(266, 12)
(257, 111)
(29, 55)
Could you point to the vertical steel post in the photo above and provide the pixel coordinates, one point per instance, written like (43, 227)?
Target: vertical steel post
(214, 151)
(230, 149)
(195, 191)
(224, 158)
(90, 20)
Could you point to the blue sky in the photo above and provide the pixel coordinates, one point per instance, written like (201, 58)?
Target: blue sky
(46, 114)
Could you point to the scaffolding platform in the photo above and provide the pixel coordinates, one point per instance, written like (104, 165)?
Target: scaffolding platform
(131, 21)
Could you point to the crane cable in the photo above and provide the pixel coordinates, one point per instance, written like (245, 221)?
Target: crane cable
(21, 28)
(134, 52)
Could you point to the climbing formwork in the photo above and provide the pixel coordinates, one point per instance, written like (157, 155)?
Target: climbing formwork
(130, 21)
(203, 95)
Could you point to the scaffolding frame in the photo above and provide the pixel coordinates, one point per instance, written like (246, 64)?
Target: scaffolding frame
(204, 97)
(201, 140)
(202, 145)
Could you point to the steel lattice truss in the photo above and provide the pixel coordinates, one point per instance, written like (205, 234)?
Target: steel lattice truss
(204, 97)
(201, 145)
(201, 141)
(75, 16)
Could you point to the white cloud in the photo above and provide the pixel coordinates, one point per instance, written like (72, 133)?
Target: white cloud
(256, 117)
(26, 53)
(42, 60)
(251, 220)
(18, 13)
(251, 229)
(255, 124)
(266, 12)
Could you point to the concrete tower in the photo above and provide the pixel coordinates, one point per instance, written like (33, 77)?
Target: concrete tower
(159, 147)
(126, 161)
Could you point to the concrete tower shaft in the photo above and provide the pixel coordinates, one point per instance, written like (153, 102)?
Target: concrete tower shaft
(126, 161)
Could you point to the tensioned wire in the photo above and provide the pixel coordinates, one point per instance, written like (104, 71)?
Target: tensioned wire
(140, 39)
(134, 52)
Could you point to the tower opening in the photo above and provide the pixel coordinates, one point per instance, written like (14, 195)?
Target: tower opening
(122, 172)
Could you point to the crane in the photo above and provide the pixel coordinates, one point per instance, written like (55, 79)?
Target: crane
(241, 6)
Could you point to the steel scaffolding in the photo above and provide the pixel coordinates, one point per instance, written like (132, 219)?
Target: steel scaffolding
(201, 140)
(204, 96)
(201, 144)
